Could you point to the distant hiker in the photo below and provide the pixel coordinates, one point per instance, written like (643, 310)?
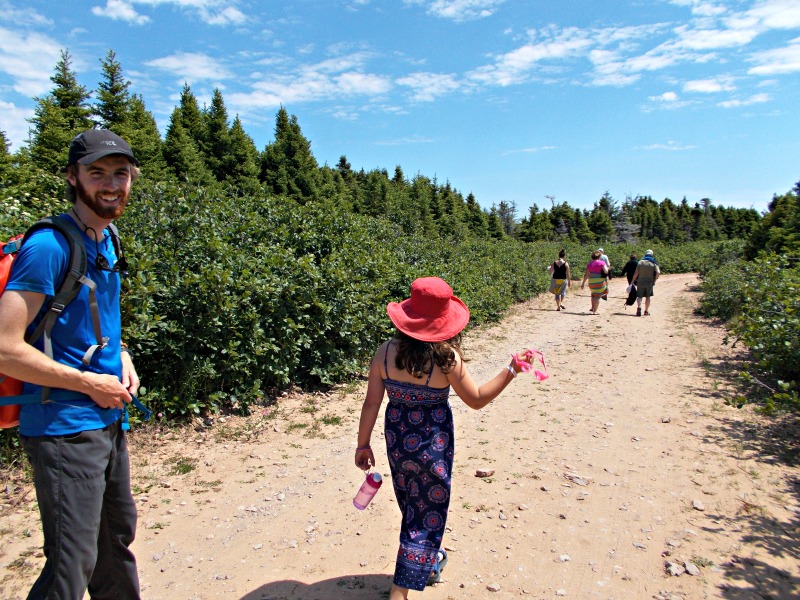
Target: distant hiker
(628, 270)
(76, 441)
(596, 273)
(416, 369)
(604, 258)
(560, 273)
(645, 276)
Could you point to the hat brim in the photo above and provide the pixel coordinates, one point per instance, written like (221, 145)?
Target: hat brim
(426, 329)
(95, 156)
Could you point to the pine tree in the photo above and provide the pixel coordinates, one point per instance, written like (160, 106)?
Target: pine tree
(5, 147)
(600, 223)
(494, 225)
(141, 132)
(59, 117)
(218, 143)
(476, 218)
(507, 213)
(182, 155)
(287, 166)
(192, 119)
(579, 230)
(241, 163)
(112, 95)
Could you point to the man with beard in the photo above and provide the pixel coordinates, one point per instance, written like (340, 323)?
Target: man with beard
(76, 440)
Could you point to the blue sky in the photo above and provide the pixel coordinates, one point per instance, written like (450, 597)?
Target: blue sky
(508, 99)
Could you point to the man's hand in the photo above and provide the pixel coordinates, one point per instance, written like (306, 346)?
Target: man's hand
(130, 379)
(106, 390)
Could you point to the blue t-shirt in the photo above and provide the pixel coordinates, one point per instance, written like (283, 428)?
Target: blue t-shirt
(40, 267)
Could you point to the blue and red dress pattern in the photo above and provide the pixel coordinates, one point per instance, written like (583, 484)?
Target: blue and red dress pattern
(420, 445)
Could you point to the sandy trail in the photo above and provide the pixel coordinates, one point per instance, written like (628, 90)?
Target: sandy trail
(625, 460)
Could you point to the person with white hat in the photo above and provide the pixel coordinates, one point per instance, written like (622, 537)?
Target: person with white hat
(416, 370)
(644, 278)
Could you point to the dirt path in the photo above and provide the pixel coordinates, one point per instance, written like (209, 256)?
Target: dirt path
(625, 460)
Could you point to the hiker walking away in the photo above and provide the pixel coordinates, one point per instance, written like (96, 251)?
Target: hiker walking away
(416, 369)
(596, 273)
(628, 270)
(644, 278)
(605, 259)
(75, 442)
(560, 278)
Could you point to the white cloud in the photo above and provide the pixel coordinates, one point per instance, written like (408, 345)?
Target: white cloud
(211, 12)
(428, 86)
(778, 60)
(718, 84)
(459, 10)
(415, 139)
(191, 67)
(670, 145)
(754, 99)
(15, 123)
(11, 15)
(530, 150)
(777, 14)
(28, 58)
(515, 66)
(119, 10)
(333, 78)
(665, 97)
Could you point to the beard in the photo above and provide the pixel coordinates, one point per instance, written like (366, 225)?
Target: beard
(97, 206)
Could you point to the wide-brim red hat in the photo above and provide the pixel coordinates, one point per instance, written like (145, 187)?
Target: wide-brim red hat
(432, 313)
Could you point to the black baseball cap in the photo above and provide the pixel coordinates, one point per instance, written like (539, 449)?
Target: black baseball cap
(94, 144)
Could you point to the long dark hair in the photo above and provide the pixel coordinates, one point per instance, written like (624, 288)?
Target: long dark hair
(415, 356)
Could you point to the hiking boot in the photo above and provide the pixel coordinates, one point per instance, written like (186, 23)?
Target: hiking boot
(639, 312)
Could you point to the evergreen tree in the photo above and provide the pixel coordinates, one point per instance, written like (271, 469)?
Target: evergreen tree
(112, 95)
(599, 221)
(399, 178)
(625, 231)
(779, 230)
(141, 132)
(579, 230)
(182, 156)
(192, 119)
(5, 147)
(420, 195)
(507, 213)
(494, 225)
(241, 165)
(476, 218)
(287, 166)
(59, 117)
(218, 143)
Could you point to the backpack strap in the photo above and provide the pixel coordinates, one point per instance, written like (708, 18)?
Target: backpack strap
(75, 278)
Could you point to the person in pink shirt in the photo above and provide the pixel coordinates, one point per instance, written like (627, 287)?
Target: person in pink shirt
(597, 275)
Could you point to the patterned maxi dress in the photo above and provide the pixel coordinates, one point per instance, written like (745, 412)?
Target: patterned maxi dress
(598, 283)
(420, 446)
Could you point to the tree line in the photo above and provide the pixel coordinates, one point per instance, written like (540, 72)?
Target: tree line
(204, 147)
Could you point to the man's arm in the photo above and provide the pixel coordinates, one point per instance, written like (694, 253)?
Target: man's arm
(20, 360)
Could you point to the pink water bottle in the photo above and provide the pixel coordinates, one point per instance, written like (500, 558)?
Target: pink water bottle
(367, 490)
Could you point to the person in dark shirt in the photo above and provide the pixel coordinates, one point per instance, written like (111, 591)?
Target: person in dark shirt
(560, 272)
(630, 267)
(628, 270)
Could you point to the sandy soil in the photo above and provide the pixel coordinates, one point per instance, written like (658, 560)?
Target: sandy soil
(626, 460)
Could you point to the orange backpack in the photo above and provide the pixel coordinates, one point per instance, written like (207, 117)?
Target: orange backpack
(75, 277)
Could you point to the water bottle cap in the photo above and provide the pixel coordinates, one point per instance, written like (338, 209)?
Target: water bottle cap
(376, 477)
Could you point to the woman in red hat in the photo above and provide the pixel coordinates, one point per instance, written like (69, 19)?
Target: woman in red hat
(416, 369)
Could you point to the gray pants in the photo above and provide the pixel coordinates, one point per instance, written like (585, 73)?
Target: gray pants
(88, 515)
